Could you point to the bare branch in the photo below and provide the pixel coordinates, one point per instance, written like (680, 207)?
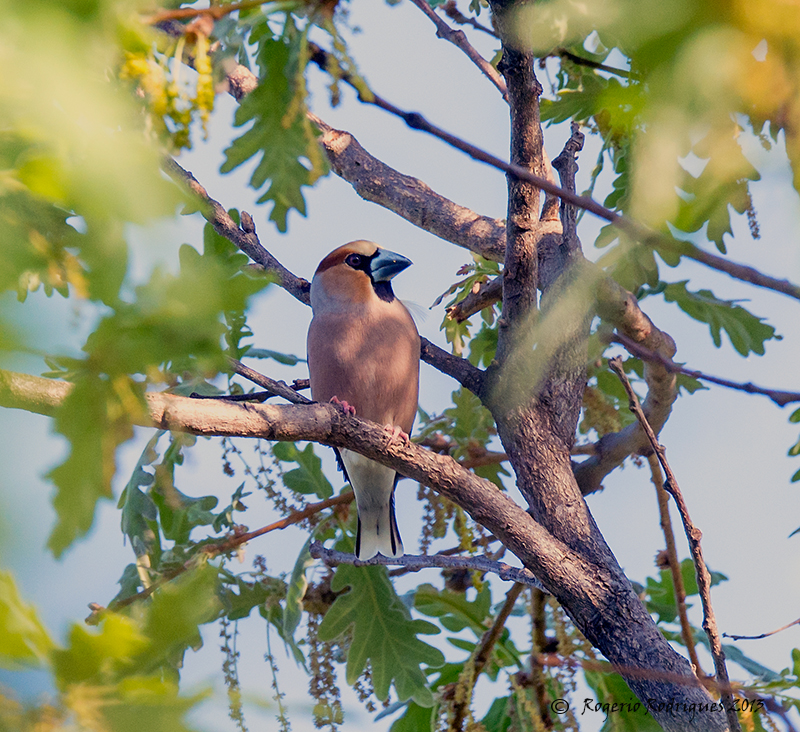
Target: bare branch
(415, 563)
(278, 388)
(243, 236)
(763, 635)
(581, 61)
(324, 423)
(483, 651)
(242, 81)
(459, 39)
(469, 376)
(487, 294)
(457, 16)
(781, 398)
(409, 197)
(620, 307)
(673, 563)
(693, 535)
(224, 546)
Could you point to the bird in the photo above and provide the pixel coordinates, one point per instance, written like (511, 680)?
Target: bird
(363, 354)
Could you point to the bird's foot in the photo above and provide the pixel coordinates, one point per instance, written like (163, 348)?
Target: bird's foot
(343, 405)
(396, 433)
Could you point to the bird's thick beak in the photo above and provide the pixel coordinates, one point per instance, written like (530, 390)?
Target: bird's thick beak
(385, 265)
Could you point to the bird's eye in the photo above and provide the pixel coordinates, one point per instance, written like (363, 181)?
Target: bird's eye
(354, 260)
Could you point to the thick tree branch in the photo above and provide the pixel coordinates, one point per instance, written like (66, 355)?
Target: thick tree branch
(693, 535)
(521, 260)
(459, 40)
(409, 197)
(324, 423)
(620, 307)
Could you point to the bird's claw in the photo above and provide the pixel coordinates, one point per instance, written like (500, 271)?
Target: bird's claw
(395, 433)
(343, 405)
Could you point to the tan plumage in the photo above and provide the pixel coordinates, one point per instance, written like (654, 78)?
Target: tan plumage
(363, 349)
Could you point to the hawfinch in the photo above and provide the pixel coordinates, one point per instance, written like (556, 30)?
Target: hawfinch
(363, 352)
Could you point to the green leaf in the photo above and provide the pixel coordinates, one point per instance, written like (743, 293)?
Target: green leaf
(156, 700)
(99, 656)
(383, 634)
(630, 715)
(308, 477)
(95, 417)
(746, 331)
(284, 358)
(453, 609)
(295, 591)
(415, 719)
(661, 592)
(497, 719)
(281, 132)
(138, 509)
(23, 638)
(172, 619)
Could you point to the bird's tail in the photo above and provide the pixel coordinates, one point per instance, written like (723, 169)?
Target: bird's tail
(373, 485)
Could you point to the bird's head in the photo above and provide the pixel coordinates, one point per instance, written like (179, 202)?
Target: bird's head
(356, 272)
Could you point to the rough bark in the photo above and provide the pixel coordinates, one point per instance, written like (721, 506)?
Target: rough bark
(536, 423)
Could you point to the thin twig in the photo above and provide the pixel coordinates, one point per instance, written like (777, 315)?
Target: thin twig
(674, 564)
(781, 398)
(459, 39)
(483, 651)
(215, 11)
(223, 547)
(694, 535)
(581, 61)
(452, 12)
(763, 635)
(492, 635)
(278, 388)
(414, 563)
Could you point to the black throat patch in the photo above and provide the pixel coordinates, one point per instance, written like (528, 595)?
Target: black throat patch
(384, 290)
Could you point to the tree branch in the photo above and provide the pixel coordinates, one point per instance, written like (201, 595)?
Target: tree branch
(781, 398)
(277, 388)
(483, 652)
(459, 39)
(415, 563)
(241, 81)
(762, 635)
(673, 563)
(409, 197)
(620, 307)
(243, 235)
(693, 535)
(521, 260)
